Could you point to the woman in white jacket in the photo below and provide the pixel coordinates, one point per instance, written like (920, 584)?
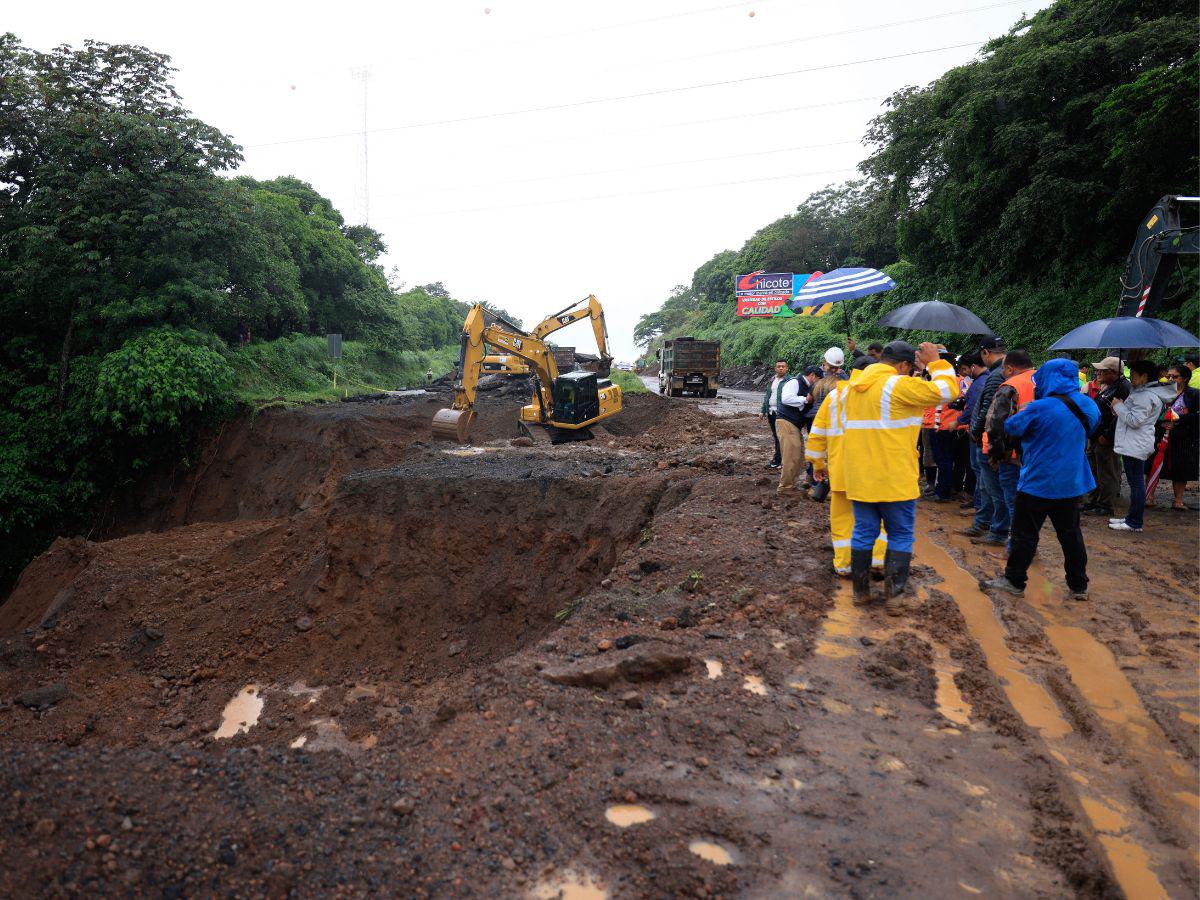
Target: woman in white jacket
(1134, 440)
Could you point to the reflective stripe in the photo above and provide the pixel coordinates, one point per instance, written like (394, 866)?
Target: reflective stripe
(880, 425)
(885, 399)
(845, 543)
(815, 454)
(943, 388)
(819, 432)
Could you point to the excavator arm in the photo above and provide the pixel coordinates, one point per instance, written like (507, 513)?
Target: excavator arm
(480, 329)
(1160, 241)
(587, 308)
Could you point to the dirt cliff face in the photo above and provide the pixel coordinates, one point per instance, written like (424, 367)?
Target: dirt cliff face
(338, 658)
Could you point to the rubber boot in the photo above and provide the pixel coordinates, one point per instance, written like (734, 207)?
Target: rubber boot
(895, 579)
(860, 576)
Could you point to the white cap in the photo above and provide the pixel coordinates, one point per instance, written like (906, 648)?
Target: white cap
(834, 356)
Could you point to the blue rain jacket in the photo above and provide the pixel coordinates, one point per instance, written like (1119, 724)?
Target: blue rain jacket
(1053, 463)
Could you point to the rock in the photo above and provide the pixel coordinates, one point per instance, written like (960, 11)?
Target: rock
(127, 824)
(606, 583)
(43, 697)
(152, 633)
(645, 662)
(104, 840)
(669, 623)
(304, 623)
(626, 641)
(604, 646)
(45, 827)
(702, 762)
(632, 699)
(404, 806)
(521, 442)
(445, 713)
(174, 721)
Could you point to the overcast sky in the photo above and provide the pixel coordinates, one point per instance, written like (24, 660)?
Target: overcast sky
(622, 198)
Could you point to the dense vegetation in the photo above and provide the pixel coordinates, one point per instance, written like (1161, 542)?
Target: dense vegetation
(128, 268)
(1012, 185)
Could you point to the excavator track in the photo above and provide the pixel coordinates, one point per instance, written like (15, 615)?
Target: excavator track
(548, 435)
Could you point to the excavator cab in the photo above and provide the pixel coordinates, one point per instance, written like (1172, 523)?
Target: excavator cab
(576, 398)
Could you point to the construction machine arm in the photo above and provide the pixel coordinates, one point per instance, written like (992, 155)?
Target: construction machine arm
(480, 329)
(1156, 249)
(588, 307)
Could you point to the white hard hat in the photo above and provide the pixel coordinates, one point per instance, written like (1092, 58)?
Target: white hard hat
(834, 356)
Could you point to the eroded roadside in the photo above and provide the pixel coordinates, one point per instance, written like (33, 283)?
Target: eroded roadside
(620, 668)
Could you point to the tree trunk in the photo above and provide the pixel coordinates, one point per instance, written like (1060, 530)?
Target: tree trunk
(64, 363)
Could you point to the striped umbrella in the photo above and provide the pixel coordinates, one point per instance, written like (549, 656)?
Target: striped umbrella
(818, 295)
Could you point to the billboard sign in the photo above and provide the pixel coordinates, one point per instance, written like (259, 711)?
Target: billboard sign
(762, 293)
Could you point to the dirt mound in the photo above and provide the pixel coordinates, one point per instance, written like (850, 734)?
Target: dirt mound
(903, 663)
(657, 423)
(757, 375)
(282, 461)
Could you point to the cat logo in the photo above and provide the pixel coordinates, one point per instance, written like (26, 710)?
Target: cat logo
(565, 320)
(516, 344)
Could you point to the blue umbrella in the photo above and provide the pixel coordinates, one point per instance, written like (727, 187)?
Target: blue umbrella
(1126, 333)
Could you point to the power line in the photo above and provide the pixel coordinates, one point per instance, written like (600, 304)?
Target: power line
(660, 165)
(689, 187)
(818, 37)
(621, 97)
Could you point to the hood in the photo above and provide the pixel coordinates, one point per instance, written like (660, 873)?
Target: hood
(1059, 376)
(1164, 392)
(872, 374)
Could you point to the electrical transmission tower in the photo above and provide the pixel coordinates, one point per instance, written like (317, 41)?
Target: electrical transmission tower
(363, 192)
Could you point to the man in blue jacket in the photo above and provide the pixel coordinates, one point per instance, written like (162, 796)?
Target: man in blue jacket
(1053, 431)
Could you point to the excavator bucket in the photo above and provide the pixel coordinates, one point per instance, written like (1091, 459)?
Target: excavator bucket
(453, 424)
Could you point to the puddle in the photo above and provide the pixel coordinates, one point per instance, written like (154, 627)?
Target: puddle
(843, 621)
(569, 885)
(798, 685)
(1188, 718)
(950, 701)
(715, 668)
(331, 737)
(891, 764)
(626, 814)
(974, 790)
(837, 707)
(298, 742)
(300, 689)
(754, 684)
(710, 852)
(241, 713)
(969, 888)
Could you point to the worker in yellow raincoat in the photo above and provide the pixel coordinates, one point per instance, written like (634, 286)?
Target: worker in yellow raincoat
(883, 412)
(824, 451)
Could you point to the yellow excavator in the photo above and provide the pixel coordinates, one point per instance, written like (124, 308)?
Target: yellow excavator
(563, 406)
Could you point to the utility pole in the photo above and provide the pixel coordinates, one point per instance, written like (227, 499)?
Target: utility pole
(363, 74)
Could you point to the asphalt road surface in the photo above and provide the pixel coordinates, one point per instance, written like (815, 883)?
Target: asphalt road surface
(728, 402)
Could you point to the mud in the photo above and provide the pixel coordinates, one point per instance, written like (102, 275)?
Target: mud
(619, 668)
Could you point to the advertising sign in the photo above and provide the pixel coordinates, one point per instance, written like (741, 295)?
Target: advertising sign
(762, 293)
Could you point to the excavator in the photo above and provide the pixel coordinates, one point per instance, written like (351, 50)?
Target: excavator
(563, 407)
(1161, 240)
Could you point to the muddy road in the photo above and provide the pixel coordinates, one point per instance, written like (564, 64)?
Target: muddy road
(337, 658)
(728, 402)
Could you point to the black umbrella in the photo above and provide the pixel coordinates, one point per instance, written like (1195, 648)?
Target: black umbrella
(1125, 332)
(934, 315)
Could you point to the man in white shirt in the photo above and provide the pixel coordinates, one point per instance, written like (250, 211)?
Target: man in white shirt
(793, 398)
(770, 405)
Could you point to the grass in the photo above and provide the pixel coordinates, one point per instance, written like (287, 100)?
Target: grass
(630, 383)
(298, 369)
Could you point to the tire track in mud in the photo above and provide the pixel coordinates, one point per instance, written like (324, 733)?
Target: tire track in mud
(1141, 863)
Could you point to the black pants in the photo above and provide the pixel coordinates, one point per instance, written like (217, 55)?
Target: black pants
(778, 458)
(1029, 514)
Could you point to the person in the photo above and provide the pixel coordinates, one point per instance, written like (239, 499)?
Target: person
(1053, 430)
(883, 413)
(1014, 393)
(991, 351)
(1110, 385)
(832, 367)
(975, 369)
(944, 438)
(429, 375)
(1181, 461)
(789, 424)
(1192, 361)
(872, 354)
(770, 406)
(1133, 439)
(812, 376)
(824, 451)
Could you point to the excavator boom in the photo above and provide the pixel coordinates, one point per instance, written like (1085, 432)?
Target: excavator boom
(587, 308)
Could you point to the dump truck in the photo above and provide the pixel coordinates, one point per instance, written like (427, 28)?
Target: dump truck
(689, 366)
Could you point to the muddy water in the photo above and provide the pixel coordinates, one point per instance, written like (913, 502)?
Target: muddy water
(754, 684)
(710, 852)
(570, 885)
(241, 713)
(714, 667)
(1129, 860)
(625, 814)
(843, 622)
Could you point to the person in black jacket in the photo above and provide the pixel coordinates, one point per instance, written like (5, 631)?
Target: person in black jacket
(992, 351)
(1106, 465)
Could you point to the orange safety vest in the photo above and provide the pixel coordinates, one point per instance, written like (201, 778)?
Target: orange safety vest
(1022, 383)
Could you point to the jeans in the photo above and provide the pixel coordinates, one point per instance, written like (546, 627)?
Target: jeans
(998, 522)
(1009, 475)
(982, 519)
(777, 459)
(949, 467)
(1029, 513)
(1135, 474)
(897, 516)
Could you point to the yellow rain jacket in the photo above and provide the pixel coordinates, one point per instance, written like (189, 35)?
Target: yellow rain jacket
(882, 418)
(824, 447)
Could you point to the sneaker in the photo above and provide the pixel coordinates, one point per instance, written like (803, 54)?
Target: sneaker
(1121, 525)
(1078, 595)
(1002, 584)
(990, 539)
(1116, 519)
(774, 465)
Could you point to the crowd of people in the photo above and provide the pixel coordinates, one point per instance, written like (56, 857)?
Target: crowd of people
(1013, 444)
